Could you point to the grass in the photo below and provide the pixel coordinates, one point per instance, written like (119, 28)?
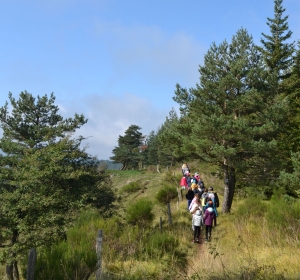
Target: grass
(258, 240)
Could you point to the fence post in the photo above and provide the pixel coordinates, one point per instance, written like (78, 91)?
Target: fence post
(169, 214)
(160, 224)
(99, 254)
(31, 264)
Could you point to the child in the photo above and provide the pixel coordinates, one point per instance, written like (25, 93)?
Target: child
(197, 219)
(211, 195)
(208, 218)
(196, 197)
(183, 183)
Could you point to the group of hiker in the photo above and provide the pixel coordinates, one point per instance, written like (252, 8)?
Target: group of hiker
(202, 203)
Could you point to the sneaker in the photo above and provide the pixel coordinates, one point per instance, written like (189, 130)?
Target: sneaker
(206, 240)
(197, 240)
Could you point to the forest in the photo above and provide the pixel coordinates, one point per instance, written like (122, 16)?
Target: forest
(238, 127)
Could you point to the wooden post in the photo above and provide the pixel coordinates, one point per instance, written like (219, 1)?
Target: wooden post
(99, 254)
(31, 264)
(169, 214)
(179, 191)
(160, 224)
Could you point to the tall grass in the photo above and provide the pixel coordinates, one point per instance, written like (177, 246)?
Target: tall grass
(259, 239)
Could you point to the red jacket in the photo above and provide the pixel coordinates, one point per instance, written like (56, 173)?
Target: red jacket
(183, 182)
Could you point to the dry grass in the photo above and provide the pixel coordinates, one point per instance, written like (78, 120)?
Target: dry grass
(249, 244)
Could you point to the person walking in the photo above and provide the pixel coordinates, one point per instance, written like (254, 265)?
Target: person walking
(195, 201)
(208, 219)
(197, 220)
(183, 183)
(185, 169)
(189, 197)
(213, 196)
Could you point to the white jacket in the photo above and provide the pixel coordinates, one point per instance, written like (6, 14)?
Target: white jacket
(197, 218)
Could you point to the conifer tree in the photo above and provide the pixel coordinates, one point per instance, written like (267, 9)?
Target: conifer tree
(291, 90)
(229, 123)
(45, 177)
(127, 152)
(276, 51)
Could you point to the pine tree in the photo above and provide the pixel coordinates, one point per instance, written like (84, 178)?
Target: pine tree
(128, 152)
(277, 53)
(291, 90)
(230, 124)
(45, 177)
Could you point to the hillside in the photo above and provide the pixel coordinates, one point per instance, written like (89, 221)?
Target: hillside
(259, 239)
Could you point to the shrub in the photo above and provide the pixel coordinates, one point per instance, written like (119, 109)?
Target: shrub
(140, 213)
(170, 178)
(166, 194)
(159, 244)
(66, 260)
(132, 187)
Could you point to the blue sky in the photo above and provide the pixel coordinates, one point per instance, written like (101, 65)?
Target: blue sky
(117, 62)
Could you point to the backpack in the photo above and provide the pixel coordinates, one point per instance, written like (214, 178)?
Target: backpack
(217, 203)
(203, 199)
(201, 183)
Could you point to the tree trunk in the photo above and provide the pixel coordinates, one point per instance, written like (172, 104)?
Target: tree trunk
(12, 272)
(229, 186)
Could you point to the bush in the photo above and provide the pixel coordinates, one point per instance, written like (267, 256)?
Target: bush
(166, 194)
(140, 213)
(170, 178)
(132, 187)
(66, 260)
(159, 244)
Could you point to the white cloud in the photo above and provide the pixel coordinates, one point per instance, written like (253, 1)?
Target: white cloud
(109, 117)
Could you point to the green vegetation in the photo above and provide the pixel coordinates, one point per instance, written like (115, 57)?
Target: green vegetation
(140, 212)
(258, 239)
(166, 194)
(45, 177)
(239, 128)
(132, 187)
(263, 234)
(243, 116)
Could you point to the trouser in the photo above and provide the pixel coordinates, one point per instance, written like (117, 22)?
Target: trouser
(208, 232)
(196, 232)
(189, 203)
